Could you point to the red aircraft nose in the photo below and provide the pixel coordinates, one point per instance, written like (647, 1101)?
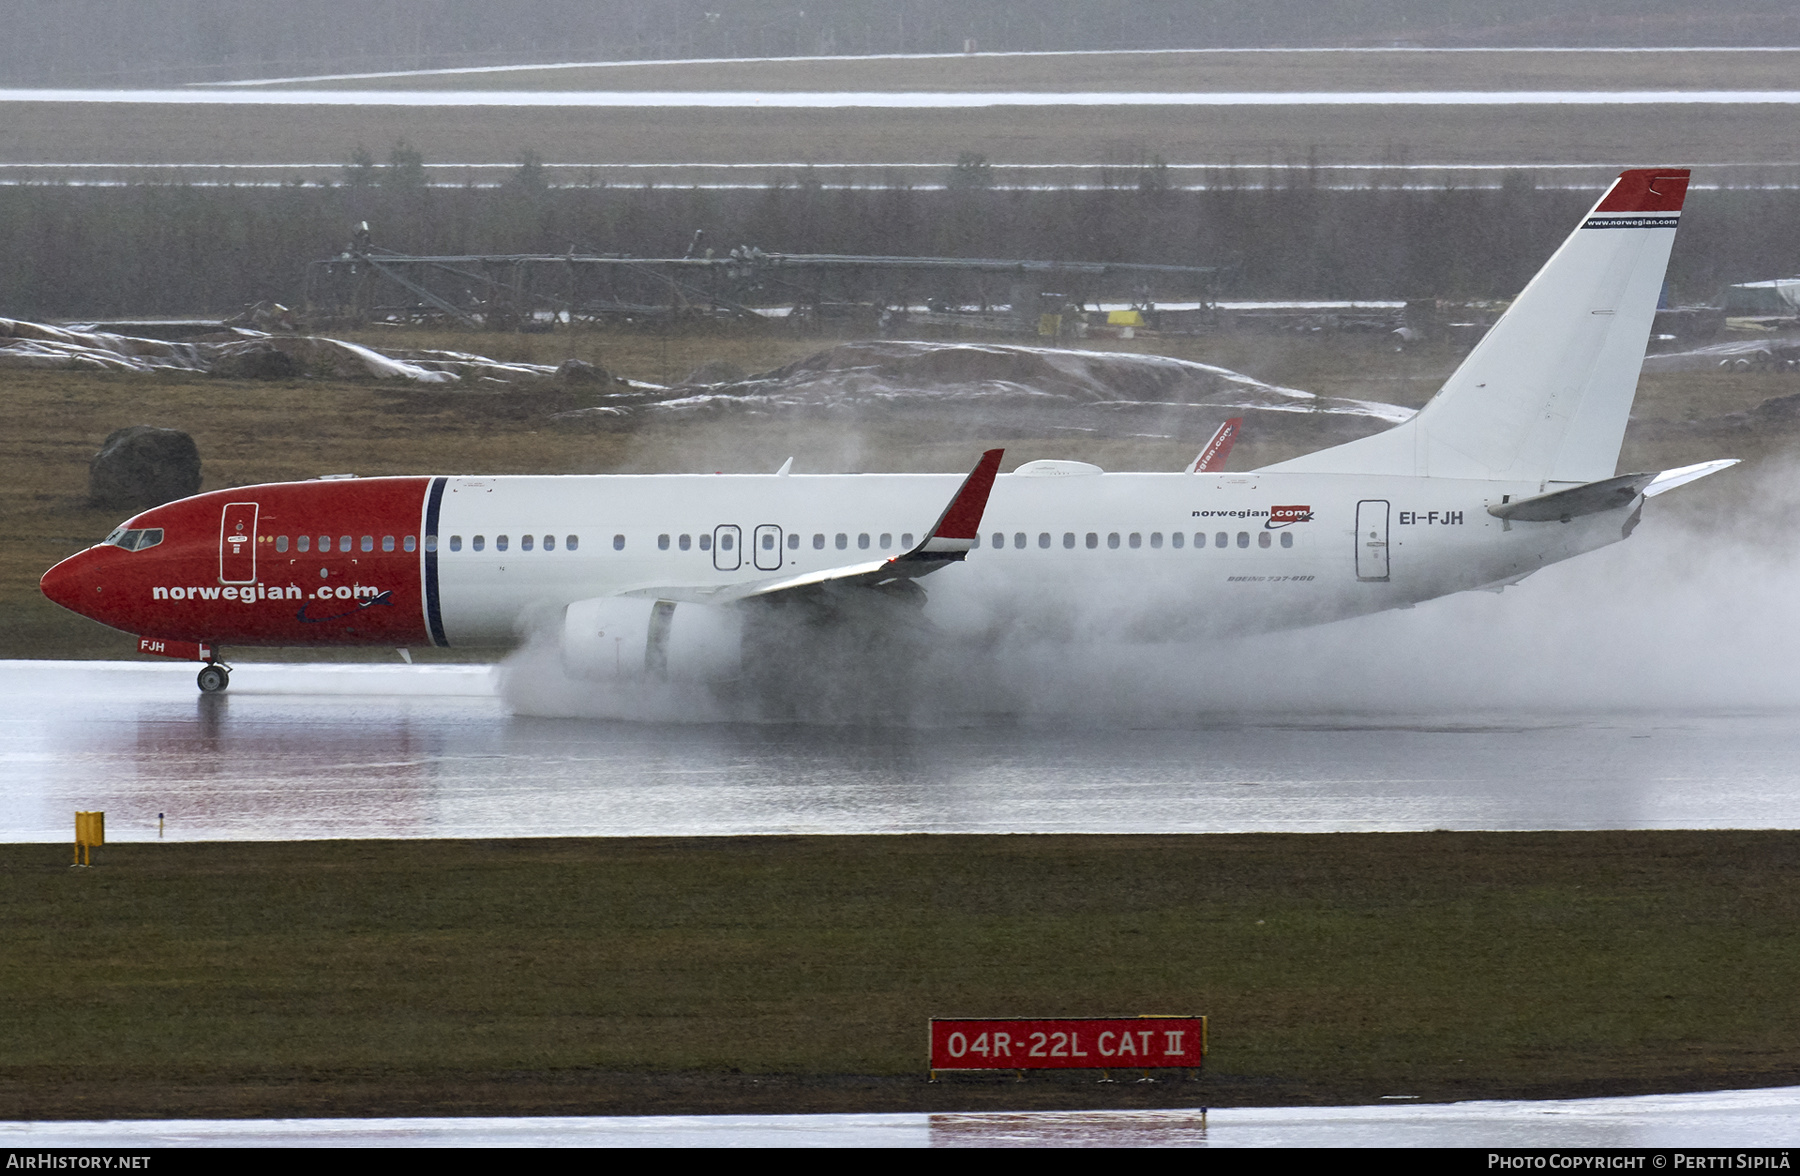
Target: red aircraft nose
(68, 585)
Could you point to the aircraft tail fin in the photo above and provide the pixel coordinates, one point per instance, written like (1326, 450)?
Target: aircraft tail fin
(1546, 394)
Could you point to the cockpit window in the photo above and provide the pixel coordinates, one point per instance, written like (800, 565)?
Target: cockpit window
(135, 539)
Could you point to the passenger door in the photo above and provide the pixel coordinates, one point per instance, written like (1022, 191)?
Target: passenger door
(767, 553)
(726, 554)
(237, 543)
(1372, 539)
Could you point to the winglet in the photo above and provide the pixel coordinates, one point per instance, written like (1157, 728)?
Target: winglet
(954, 533)
(949, 540)
(1212, 458)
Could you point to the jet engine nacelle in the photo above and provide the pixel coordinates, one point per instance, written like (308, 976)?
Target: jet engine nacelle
(619, 638)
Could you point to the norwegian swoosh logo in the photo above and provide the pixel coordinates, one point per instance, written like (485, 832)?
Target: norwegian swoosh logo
(1287, 516)
(385, 598)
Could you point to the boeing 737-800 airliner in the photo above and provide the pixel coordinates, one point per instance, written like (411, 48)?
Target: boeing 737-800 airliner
(1510, 467)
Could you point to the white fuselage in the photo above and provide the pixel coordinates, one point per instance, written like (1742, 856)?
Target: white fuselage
(1169, 555)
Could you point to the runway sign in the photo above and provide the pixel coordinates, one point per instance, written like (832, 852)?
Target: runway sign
(1077, 1043)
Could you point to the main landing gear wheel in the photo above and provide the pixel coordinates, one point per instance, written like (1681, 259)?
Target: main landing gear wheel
(213, 679)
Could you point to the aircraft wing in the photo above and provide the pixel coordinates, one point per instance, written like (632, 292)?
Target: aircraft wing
(949, 541)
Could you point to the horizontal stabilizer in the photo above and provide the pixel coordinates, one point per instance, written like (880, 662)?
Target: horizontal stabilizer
(1610, 494)
(1563, 505)
(1669, 479)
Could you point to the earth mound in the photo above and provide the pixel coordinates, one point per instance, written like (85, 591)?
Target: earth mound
(142, 466)
(1002, 387)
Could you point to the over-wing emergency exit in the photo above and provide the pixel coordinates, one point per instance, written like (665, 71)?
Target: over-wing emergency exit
(1510, 467)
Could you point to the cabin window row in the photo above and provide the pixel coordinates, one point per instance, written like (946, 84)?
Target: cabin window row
(1019, 540)
(347, 543)
(526, 542)
(1135, 539)
(841, 541)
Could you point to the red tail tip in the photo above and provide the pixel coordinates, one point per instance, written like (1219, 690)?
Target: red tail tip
(1649, 189)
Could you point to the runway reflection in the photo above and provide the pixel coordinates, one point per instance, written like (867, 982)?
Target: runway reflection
(335, 766)
(314, 752)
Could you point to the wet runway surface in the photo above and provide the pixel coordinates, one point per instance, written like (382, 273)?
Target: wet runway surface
(372, 751)
(1733, 1118)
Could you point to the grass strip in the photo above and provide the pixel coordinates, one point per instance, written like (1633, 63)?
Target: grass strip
(641, 975)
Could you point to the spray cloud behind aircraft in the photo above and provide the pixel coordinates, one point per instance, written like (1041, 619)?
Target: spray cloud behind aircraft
(1694, 613)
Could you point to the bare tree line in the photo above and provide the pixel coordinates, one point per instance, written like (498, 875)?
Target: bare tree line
(176, 249)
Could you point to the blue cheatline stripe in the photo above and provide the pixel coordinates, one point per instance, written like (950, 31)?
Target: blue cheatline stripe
(1633, 222)
(434, 619)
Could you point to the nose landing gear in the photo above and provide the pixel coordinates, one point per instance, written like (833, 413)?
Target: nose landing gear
(214, 676)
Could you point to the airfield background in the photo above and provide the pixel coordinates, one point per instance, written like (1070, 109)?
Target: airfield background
(142, 42)
(635, 975)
